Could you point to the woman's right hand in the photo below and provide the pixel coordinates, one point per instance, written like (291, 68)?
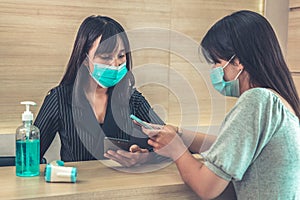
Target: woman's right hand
(166, 141)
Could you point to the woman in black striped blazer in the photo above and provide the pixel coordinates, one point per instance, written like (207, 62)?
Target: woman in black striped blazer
(95, 99)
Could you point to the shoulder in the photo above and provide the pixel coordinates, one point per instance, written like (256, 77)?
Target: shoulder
(257, 94)
(60, 90)
(137, 97)
(253, 102)
(59, 95)
(138, 101)
(257, 97)
(260, 102)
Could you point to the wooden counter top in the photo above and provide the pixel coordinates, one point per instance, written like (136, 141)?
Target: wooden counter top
(97, 181)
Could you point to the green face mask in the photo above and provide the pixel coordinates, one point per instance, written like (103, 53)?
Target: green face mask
(227, 88)
(107, 76)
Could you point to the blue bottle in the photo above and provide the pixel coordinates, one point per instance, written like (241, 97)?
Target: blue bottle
(27, 145)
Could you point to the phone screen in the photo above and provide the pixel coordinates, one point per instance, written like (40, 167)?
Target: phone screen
(116, 144)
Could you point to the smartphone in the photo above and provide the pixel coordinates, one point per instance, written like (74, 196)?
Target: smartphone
(141, 122)
(115, 144)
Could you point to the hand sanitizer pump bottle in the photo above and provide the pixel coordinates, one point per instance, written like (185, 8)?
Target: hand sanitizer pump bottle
(27, 145)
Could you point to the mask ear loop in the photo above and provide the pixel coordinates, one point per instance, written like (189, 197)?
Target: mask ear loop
(238, 74)
(239, 71)
(229, 61)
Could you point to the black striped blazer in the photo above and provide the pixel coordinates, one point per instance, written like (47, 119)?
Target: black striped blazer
(80, 134)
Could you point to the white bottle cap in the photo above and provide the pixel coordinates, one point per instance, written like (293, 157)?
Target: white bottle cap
(27, 114)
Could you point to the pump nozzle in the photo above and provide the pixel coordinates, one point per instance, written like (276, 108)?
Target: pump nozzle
(27, 114)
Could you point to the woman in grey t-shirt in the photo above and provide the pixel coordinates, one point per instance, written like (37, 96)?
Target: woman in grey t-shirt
(258, 145)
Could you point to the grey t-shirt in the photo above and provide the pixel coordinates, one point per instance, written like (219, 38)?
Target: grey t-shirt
(258, 148)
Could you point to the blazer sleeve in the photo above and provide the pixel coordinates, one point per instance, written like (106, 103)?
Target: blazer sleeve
(47, 121)
(141, 108)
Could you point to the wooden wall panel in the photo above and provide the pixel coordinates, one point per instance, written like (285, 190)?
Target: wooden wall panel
(294, 3)
(36, 38)
(293, 51)
(296, 79)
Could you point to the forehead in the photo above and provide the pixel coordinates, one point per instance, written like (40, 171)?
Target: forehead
(111, 45)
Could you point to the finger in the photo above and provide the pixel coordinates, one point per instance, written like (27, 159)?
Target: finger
(151, 132)
(121, 162)
(153, 143)
(125, 154)
(154, 126)
(111, 157)
(134, 148)
(106, 155)
(135, 122)
(126, 159)
(144, 151)
(118, 158)
(110, 152)
(117, 154)
(157, 126)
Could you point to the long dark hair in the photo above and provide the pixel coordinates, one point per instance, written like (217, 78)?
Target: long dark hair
(250, 37)
(90, 29)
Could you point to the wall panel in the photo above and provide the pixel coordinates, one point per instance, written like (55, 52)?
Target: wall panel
(296, 79)
(293, 50)
(294, 3)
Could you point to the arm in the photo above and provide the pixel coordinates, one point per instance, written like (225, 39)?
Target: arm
(47, 121)
(202, 180)
(196, 142)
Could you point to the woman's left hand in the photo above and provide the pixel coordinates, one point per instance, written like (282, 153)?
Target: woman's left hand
(166, 141)
(134, 156)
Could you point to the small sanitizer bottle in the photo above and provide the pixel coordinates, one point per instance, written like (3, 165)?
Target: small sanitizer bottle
(27, 145)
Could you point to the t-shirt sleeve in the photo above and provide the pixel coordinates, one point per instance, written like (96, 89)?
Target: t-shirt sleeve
(245, 131)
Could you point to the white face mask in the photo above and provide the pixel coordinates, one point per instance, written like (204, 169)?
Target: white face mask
(227, 88)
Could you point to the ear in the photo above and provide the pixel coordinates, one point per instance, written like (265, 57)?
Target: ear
(239, 66)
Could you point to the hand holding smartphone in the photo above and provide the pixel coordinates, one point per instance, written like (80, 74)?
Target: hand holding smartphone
(141, 122)
(116, 144)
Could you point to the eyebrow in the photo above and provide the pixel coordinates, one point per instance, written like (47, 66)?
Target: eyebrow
(99, 55)
(122, 51)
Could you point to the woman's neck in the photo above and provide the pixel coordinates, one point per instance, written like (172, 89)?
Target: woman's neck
(244, 82)
(101, 91)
